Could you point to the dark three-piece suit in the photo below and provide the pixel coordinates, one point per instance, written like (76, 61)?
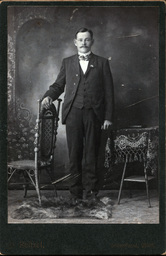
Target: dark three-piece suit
(88, 101)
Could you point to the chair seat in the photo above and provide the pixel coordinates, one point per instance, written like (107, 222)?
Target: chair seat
(22, 164)
(137, 178)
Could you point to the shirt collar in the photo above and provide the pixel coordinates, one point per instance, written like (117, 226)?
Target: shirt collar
(84, 54)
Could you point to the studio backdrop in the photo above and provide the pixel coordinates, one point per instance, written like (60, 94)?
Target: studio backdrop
(40, 37)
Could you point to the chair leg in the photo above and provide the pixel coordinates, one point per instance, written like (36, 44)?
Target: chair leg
(37, 186)
(11, 172)
(147, 186)
(25, 186)
(25, 190)
(121, 184)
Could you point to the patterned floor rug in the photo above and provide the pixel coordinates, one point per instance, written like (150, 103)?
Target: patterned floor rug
(60, 207)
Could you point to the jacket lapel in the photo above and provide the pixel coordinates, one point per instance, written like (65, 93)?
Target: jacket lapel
(75, 64)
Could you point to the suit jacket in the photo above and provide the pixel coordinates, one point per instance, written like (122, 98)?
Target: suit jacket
(99, 86)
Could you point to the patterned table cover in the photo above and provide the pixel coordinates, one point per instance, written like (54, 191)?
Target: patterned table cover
(133, 144)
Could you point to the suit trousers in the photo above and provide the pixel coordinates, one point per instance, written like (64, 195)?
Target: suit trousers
(83, 130)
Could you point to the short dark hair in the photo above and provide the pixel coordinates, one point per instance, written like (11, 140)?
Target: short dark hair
(84, 30)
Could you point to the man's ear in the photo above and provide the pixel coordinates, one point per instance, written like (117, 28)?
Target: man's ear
(75, 42)
(92, 41)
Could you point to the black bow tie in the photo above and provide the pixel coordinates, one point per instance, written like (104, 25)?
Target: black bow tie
(86, 57)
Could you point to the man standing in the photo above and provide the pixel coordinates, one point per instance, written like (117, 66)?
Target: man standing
(87, 107)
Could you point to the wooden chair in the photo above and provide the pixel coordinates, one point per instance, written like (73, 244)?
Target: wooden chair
(44, 141)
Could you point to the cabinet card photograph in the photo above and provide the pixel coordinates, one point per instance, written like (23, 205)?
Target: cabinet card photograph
(84, 109)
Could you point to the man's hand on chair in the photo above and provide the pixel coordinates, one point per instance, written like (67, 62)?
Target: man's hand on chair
(46, 102)
(107, 124)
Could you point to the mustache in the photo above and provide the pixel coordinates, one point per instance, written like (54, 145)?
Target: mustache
(83, 46)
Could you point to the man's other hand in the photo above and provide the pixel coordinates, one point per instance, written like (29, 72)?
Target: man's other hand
(46, 102)
(107, 124)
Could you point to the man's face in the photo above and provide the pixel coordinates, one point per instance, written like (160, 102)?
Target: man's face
(83, 42)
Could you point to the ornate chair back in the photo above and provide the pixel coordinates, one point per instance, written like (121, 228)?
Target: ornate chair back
(45, 137)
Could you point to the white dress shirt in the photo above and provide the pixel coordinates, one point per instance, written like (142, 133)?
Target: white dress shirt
(84, 63)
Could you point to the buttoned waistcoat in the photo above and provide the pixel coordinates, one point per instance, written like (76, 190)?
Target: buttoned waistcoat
(99, 86)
